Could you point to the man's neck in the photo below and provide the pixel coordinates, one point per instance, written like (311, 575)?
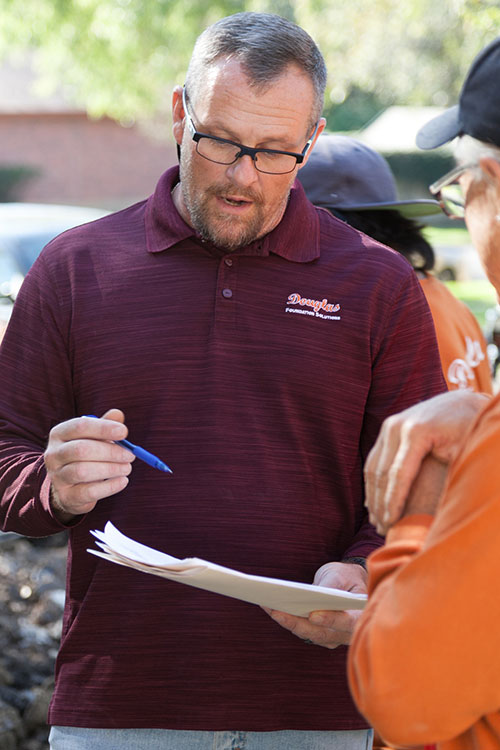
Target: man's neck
(179, 204)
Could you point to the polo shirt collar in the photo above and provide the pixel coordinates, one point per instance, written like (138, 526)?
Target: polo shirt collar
(296, 238)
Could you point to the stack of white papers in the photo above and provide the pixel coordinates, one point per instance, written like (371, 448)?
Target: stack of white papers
(274, 593)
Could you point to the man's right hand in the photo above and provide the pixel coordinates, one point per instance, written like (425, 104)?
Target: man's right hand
(84, 464)
(434, 427)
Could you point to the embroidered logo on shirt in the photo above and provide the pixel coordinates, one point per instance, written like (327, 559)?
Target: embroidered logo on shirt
(320, 308)
(460, 371)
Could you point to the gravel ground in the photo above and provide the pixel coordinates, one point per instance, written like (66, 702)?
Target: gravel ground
(32, 577)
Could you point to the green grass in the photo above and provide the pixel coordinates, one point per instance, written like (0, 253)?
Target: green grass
(477, 295)
(447, 235)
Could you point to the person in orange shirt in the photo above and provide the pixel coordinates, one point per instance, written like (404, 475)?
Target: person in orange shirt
(425, 656)
(356, 184)
(461, 342)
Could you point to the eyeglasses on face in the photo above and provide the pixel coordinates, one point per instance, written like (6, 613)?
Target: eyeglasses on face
(449, 192)
(223, 151)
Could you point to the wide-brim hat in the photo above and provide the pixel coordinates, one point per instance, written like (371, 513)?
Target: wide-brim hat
(478, 112)
(345, 174)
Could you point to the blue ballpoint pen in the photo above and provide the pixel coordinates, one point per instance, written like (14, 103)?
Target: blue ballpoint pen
(141, 453)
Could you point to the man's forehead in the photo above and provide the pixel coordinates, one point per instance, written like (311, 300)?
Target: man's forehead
(225, 87)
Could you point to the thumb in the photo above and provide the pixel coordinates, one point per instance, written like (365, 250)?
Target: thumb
(114, 414)
(330, 575)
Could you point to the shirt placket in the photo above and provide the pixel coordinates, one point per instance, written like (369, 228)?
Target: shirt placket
(226, 295)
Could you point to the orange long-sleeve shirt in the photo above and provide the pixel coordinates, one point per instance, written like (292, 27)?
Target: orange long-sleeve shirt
(462, 346)
(424, 664)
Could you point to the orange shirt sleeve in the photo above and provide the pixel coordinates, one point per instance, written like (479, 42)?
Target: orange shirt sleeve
(461, 342)
(425, 657)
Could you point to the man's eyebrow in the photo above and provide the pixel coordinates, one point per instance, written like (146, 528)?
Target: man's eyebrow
(218, 128)
(222, 131)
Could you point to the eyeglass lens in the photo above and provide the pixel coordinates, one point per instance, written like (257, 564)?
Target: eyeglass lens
(452, 197)
(227, 153)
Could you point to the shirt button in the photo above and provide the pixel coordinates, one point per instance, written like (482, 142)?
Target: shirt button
(227, 293)
(228, 261)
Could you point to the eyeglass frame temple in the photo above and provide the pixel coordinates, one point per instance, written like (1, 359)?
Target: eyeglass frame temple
(446, 180)
(449, 177)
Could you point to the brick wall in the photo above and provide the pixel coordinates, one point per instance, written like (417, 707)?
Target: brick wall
(83, 161)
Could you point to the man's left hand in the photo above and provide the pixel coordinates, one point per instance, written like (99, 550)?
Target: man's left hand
(328, 628)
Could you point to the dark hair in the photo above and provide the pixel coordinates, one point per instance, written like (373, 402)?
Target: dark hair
(265, 44)
(396, 231)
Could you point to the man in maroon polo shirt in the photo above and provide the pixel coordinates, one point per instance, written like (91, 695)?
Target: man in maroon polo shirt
(255, 344)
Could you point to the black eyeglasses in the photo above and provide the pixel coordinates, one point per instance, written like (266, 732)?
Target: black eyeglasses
(448, 191)
(222, 151)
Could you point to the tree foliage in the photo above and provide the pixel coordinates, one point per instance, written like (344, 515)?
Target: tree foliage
(121, 57)
(403, 52)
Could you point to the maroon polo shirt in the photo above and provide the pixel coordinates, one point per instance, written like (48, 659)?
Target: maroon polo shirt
(261, 377)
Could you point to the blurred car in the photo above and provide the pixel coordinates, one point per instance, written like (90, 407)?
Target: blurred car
(25, 229)
(457, 263)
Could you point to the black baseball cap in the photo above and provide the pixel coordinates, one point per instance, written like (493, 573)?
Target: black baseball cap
(345, 174)
(478, 112)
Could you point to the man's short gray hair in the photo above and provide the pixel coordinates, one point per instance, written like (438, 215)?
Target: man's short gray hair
(469, 150)
(265, 44)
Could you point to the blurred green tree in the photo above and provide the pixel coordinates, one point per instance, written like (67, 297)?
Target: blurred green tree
(121, 57)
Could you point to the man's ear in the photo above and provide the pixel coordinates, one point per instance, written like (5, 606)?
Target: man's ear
(177, 114)
(321, 127)
(491, 167)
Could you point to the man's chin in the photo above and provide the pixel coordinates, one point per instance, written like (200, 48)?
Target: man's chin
(230, 244)
(229, 240)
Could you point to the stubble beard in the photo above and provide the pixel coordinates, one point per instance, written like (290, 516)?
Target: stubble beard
(225, 231)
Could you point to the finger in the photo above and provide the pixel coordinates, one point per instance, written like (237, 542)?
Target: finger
(375, 472)
(391, 469)
(82, 498)
(86, 460)
(115, 415)
(305, 630)
(400, 477)
(339, 575)
(402, 473)
(85, 472)
(88, 427)
(340, 622)
(101, 451)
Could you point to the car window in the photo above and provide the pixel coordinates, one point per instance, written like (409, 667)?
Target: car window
(10, 274)
(27, 248)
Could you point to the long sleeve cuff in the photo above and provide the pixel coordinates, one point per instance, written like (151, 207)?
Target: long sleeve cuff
(403, 540)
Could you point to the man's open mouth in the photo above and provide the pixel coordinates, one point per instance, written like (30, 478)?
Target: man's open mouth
(235, 201)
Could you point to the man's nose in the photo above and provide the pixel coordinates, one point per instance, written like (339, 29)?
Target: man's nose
(243, 171)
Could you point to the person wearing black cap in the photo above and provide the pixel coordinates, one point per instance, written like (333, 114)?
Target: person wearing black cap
(355, 183)
(425, 657)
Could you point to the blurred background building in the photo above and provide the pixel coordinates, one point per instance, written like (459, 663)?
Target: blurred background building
(52, 152)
